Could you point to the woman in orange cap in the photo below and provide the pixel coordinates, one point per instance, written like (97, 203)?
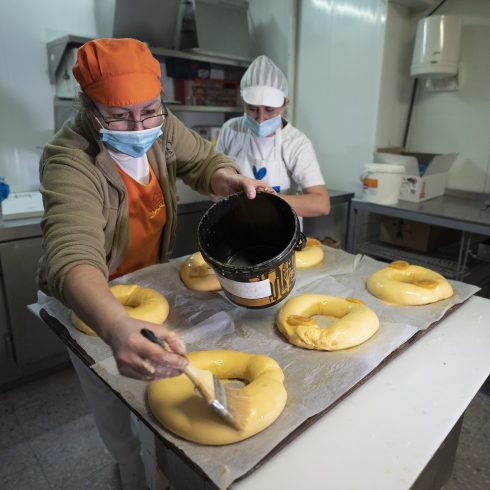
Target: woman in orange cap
(108, 183)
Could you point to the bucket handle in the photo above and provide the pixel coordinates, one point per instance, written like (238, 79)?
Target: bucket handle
(301, 243)
(364, 175)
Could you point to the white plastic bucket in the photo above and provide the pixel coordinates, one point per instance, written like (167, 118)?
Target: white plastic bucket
(381, 182)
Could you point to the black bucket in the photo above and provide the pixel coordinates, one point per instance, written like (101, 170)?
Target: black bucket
(250, 244)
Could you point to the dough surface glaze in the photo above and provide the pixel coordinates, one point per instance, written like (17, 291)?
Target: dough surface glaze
(403, 284)
(311, 255)
(176, 405)
(354, 322)
(140, 303)
(196, 274)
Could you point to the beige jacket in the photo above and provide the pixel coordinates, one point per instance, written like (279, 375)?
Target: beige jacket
(86, 217)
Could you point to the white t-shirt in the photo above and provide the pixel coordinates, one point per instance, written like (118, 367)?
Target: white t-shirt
(136, 167)
(285, 161)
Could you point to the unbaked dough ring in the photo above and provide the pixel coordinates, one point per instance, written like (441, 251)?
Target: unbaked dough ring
(175, 404)
(140, 303)
(403, 284)
(311, 255)
(196, 274)
(356, 322)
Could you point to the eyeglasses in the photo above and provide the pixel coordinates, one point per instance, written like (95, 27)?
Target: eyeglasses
(126, 124)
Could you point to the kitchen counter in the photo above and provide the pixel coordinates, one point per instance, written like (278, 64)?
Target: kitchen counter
(17, 229)
(28, 227)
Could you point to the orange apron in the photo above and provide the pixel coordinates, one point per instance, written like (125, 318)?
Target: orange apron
(147, 217)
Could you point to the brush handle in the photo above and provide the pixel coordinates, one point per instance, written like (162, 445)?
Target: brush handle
(190, 371)
(149, 335)
(195, 375)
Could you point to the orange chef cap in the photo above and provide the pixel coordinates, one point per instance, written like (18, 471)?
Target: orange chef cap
(117, 72)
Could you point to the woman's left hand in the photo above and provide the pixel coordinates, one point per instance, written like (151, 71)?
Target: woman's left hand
(226, 181)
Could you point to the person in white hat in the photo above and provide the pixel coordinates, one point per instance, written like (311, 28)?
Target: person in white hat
(268, 148)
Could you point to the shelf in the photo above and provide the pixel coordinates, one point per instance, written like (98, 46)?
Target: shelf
(203, 108)
(56, 49)
(415, 5)
(476, 272)
(196, 55)
(73, 103)
(445, 266)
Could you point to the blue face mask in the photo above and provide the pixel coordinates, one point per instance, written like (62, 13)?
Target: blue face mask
(265, 128)
(132, 143)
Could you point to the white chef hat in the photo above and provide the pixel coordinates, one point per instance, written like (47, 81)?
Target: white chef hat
(264, 83)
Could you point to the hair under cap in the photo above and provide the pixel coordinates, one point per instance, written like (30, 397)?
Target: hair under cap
(117, 72)
(264, 83)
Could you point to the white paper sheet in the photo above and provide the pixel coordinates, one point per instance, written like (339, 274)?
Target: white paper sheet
(314, 380)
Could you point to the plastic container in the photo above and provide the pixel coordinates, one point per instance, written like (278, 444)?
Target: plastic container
(381, 182)
(250, 244)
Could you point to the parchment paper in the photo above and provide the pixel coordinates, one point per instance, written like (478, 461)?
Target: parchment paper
(314, 380)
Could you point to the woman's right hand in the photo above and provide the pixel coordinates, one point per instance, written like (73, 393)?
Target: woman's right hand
(89, 296)
(139, 358)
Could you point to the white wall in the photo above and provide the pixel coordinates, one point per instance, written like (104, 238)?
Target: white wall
(459, 121)
(396, 83)
(273, 27)
(339, 57)
(26, 96)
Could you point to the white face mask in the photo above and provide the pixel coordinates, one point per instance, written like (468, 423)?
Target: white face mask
(265, 128)
(133, 143)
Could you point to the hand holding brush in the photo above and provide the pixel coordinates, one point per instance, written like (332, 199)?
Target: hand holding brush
(229, 403)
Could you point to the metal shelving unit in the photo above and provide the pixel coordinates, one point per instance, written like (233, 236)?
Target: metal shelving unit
(64, 107)
(57, 48)
(465, 212)
(445, 266)
(203, 108)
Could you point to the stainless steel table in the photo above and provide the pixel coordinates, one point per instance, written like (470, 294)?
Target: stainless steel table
(335, 224)
(465, 212)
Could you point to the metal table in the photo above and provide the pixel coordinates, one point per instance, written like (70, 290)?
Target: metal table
(397, 435)
(336, 222)
(468, 213)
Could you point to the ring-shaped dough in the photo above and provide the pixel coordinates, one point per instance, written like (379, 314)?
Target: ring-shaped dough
(356, 322)
(140, 303)
(403, 284)
(196, 274)
(311, 255)
(176, 405)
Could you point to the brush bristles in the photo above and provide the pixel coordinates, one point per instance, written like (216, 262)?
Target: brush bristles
(238, 403)
(232, 404)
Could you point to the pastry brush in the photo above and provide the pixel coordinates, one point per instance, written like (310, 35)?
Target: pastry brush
(231, 404)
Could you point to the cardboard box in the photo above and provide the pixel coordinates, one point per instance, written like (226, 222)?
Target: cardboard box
(414, 235)
(483, 252)
(425, 173)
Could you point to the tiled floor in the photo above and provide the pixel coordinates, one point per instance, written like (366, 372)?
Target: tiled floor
(48, 440)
